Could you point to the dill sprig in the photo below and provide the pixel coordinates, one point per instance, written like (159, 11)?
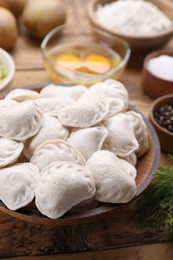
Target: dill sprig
(154, 208)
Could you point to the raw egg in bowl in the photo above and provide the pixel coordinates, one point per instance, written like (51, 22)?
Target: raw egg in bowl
(83, 60)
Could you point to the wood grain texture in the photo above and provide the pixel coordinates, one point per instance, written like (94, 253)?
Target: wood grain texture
(20, 238)
(110, 238)
(145, 252)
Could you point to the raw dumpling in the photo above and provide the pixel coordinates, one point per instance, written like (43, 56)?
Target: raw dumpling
(121, 139)
(62, 186)
(111, 88)
(75, 92)
(88, 140)
(17, 185)
(21, 94)
(55, 150)
(116, 105)
(128, 168)
(9, 151)
(7, 103)
(114, 183)
(84, 113)
(51, 129)
(52, 104)
(141, 132)
(20, 122)
(131, 158)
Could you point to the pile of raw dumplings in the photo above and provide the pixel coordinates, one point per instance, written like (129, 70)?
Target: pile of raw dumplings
(67, 145)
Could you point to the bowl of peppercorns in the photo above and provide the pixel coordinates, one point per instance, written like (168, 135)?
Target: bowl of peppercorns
(161, 117)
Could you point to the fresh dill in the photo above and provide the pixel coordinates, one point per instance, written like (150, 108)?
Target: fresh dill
(154, 208)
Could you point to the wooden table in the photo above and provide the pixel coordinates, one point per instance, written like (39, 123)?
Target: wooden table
(109, 238)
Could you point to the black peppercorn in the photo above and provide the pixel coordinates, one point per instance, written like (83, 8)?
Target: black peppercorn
(164, 116)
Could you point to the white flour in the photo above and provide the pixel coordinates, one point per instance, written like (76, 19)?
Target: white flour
(135, 17)
(162, 67)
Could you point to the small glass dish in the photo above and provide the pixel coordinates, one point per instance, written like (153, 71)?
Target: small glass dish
(83, 59)
(7, 68)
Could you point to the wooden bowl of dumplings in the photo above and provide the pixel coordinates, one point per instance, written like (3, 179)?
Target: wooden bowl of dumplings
(71, 153)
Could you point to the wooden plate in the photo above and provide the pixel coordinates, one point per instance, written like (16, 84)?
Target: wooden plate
(92, 210)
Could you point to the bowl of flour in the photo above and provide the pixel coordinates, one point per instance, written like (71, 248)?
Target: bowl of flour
(145, 25)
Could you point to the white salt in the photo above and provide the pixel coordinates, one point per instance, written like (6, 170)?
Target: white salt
(162, 67)
(136, 17)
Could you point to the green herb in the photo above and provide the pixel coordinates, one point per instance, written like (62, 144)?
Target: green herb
(155, 207)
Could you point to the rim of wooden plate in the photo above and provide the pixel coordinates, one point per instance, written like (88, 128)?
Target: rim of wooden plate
(146, 167)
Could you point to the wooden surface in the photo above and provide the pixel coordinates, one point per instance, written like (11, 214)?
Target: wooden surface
(113, 237)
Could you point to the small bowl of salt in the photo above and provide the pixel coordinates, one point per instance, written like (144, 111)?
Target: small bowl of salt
(157, 73)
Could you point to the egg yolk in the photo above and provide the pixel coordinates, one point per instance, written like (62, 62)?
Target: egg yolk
(91, 64)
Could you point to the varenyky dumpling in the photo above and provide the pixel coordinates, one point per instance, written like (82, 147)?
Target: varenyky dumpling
(131, 158)
(61, 186)
(84, 113)
(75, 92)
(114, 184)
(7, 103)
(141, 132)
(88, 140)
(17, 185)
(128, 168)
(111, 88)
(21, 121)
(116, 105)
(51, 129)
(52, 104)
(55, 150)
(121, 139)
(9, 151)
(21, 94)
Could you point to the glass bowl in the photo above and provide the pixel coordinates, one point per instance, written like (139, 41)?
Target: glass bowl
(7, 68)
(83, 59)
